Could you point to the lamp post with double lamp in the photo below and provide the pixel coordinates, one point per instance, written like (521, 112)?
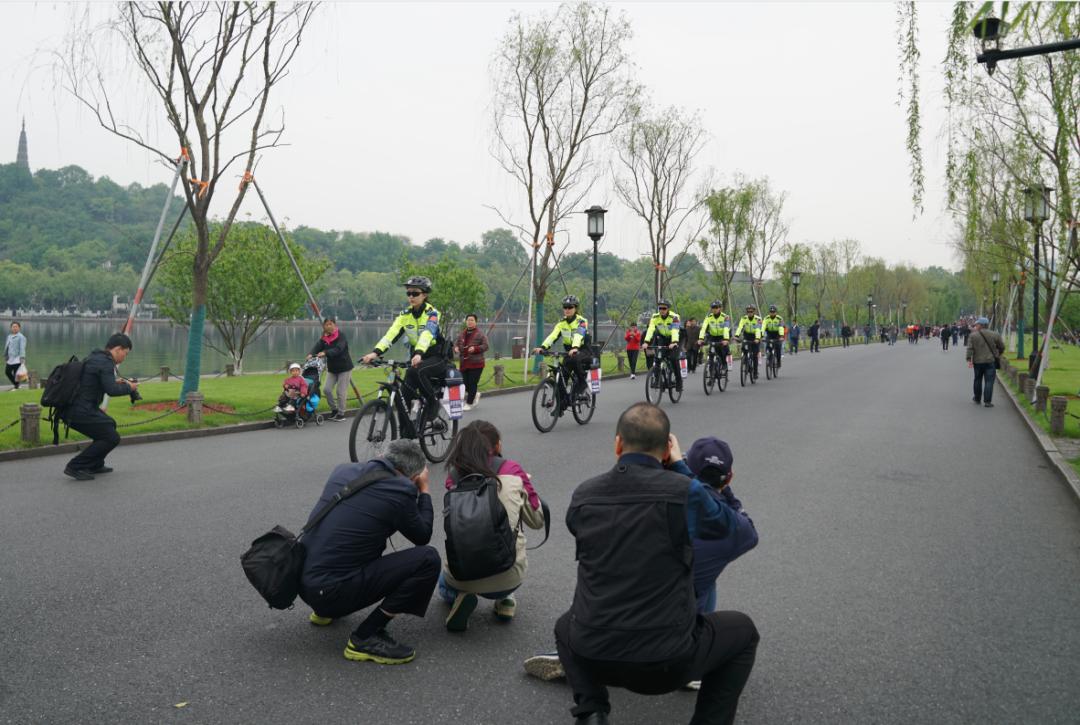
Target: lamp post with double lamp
(595, 215)
(994, 279)
(1036, 211)
(869, 309)
(989, 32)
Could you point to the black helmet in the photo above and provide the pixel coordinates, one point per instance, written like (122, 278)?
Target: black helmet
(421, 283)
(716, 303)
(663, 303)
(570, 300)
(772, 308)
(751, 308)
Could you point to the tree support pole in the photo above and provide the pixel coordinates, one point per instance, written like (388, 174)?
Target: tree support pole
(1054, 307)
(148, 268)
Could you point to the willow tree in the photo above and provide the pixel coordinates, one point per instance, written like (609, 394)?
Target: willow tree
(656, 153)
(209, 69)
(562, 84)
(768, 230)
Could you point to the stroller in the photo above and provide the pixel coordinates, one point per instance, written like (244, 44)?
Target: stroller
(305, 406)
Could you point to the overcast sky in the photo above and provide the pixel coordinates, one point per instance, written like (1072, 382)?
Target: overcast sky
(388, 116)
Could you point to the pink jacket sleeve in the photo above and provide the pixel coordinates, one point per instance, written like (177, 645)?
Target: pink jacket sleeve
(513, 468)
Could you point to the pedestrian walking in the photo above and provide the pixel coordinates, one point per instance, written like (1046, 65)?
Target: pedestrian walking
(334, 348)
(470, 346)
(793, 337)
(15, 356)
(984, 351)
(815, 336)
(946, 334)
(633, 348)
(634, 621)
(98, 379)
(689, 343)
(845, 335)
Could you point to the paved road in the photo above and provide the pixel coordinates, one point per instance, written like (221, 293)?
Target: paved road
(918, 563)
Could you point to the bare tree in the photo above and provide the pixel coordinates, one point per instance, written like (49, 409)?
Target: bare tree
(562, 83)
(767, 230)
(211, 68)
(656, 154)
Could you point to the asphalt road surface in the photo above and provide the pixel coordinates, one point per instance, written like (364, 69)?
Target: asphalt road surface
(918, 562)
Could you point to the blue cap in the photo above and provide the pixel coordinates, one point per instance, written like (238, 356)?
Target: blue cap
(982, 321)
(710, 460)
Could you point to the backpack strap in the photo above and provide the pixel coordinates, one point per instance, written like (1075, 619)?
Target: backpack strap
(354, 486)
(547, 524)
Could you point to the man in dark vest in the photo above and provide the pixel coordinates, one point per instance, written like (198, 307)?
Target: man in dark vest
(634, 621)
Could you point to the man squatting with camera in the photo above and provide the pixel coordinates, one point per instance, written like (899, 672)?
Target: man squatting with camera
(99, 378)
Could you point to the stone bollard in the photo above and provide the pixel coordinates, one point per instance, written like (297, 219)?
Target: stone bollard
(34, 382)
(1021, 381)
(194, 407)
(230, 370)
(500, 376)
(1013, 372)
(1029, 389)
(620, 362)
(164, 373)
(30, 415)
(1057, 414)
(1042, 392)
(543, 369)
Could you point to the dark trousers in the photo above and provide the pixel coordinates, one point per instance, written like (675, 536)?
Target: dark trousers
(472, 380)
(101, 429)
(9, 370)
(632, 356)
(815, 346)
(421, 379)
(722, 656)
(846, 340)
(692, 357)
(402, 580)
(984, 382)
(944, 343)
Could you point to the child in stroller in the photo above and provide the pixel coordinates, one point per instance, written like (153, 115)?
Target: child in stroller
(301, 395)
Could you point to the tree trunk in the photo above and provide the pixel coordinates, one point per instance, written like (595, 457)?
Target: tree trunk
(193, 360)
(539, 322)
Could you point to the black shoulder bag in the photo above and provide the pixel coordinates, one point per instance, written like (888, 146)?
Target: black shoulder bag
(275, 560)
(997, 358)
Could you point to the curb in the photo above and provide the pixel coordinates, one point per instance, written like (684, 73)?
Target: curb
(1046, 443)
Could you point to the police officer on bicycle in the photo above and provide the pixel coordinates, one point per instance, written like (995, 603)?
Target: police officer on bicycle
(716, 331)
(664, 326)
(749, 334)
(773, 326)
(419, 323)
(573, 329)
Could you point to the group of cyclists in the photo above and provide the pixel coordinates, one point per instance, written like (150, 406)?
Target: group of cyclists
(429, 351)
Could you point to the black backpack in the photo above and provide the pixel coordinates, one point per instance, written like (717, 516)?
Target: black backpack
(61, 389)
(479, 540)
(275, 560)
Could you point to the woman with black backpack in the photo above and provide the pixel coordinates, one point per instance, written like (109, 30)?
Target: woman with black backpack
(478, 562)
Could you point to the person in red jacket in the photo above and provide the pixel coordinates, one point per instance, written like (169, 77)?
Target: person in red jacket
(470, 347)
(633, 347)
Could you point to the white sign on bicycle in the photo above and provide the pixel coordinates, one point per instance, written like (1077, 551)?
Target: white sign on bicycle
(594, 380)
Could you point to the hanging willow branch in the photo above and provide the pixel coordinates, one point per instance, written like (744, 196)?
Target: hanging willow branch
(908, 46)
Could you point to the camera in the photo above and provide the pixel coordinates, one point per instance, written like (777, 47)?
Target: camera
(135, 395)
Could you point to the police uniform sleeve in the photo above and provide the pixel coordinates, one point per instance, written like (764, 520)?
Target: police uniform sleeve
(652, 329)
(430, 331)
(390, 337)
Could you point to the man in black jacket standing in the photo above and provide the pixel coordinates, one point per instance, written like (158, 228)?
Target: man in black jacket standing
(334, 348)
(85, 415)
(634, 621)
(345, 570)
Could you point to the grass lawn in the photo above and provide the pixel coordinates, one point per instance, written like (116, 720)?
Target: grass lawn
(246, 398)
(1063, 378)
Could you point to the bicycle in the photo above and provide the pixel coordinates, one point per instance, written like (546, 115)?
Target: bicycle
(772, 359)
(661, 377)
(374, 426)
(746, 364)
(716, 370)
(555, 393)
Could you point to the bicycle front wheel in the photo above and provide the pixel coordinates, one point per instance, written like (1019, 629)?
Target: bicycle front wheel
(437, 433)
(545, 405)
(768, 365)
(654, 386)
(722, 375)
(744, 370)
(584, 407)
(708, 379)
(372, 430)
(673, 391)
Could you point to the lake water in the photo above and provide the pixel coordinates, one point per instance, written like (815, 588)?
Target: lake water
(51, 341)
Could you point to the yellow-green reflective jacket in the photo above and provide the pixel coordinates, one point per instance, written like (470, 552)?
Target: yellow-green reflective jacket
(420, 327)
(667, 327)
(572, 333)
(748, 325)
(716, 326)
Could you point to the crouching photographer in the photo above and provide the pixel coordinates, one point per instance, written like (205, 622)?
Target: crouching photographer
(84, 415)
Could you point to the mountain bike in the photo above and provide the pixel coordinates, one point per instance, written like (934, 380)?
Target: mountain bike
(381, 420)
(553, 395)
(716, 370)
(661, 378)
(746, 364)
(772, 359)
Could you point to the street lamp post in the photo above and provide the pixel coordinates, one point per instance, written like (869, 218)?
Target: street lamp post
(869, 308)
(903, 311)
(796, 277)
(595, 214)
(1036, 211)
(994, 278)
(990, 31)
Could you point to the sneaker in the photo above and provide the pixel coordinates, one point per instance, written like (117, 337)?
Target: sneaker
(476, 399)
(78, 474)
(319, 621)
(692, 685)
(458, 618)
(988, 405)
(976, 401)
(380, 648)
(505, 608)
(546, 667)
(102, 469)
(277, 409)
(337, 417)
(633, 377)
(290, 409)
(466, 406)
